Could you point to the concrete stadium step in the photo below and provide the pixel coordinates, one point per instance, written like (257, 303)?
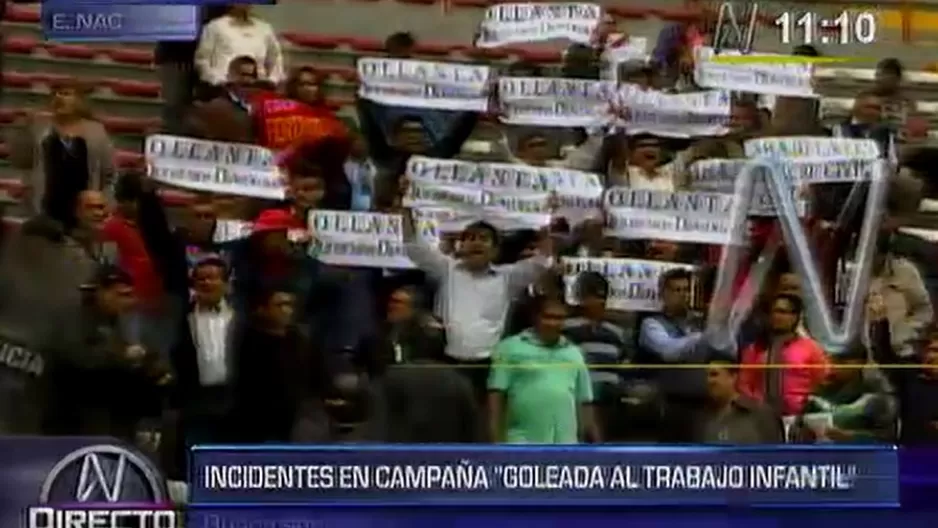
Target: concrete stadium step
(77, 67)
(109, 104)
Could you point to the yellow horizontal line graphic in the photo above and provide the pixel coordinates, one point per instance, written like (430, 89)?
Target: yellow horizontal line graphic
(779, 59)
(627, 366)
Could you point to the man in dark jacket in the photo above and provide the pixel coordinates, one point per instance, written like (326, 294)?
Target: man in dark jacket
(422, 404)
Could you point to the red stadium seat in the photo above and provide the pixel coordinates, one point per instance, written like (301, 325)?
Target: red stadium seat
(674, 15)
(133, 88)
(442, 50)
(472, 3)
(313, 41)
(347, 74)
(21, 45)
(174, 197)
(17, 13)
(131, 56)
(126, 159)
(536, 55)
(486, 53)
(365, 44)
(630, 13)
(71, 51)
(17, 80)
(8, 115)
(132, 125)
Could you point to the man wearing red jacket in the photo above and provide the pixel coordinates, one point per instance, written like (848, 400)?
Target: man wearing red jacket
(134, 258)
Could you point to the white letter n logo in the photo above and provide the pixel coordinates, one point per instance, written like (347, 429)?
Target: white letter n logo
(729, 34)
(93, 476)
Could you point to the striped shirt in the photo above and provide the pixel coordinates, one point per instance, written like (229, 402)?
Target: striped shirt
(602, 344)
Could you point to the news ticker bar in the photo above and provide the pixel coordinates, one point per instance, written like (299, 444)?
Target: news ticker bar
(544, 476)
(129, 23)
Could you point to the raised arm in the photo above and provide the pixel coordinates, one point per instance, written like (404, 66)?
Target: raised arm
(425, 256)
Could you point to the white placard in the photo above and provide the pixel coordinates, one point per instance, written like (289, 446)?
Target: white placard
(719, 175)
(673, 115)
(346, 238)
(753, 76)
(538, 22)
(633, 283)
(681, 216)
(621, 50)
(213, 166)
(812, 147)
(539, 101)
(424, 84)
(510, 196)
(231, 230)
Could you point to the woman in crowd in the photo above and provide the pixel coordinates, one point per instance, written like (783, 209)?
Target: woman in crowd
(64, 152)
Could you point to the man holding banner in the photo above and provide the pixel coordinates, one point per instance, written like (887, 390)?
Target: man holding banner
(474, 295)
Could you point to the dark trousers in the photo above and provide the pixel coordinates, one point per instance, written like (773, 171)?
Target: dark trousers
(477, 372)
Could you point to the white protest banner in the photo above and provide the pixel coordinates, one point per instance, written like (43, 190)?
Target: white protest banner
(620, 50)
(510, 196)
(213, 166)
(682, 216)
(633, 283)
(812, 147)
(424, 84)
(434, 222)
(443, 183)
(373, 240)
(719, 175)
(536, 101)
(230, 230)
(538, 22)
(673, 115)
(752, 75)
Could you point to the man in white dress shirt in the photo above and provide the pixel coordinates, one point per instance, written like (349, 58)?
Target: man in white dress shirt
(202, 364)
(473, 295)
(238, 34)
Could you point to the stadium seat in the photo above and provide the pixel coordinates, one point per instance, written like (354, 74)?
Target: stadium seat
(441, 50)
(133, 88)
(8, 115)
(21, 45)
(365, 44)
(471, 3)
(346, 74)
(16, 79)
(536, 55)
(71, 51)
(22, 14)
(487, 53)
(313, 41)
(625, 12)
(126, 159)
(175, 197)
(130, 56)
(129, 125)
(672, 14)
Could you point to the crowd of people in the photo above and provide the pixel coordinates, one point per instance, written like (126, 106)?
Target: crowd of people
(120, 313)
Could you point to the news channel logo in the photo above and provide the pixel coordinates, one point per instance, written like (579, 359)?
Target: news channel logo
(102, 485)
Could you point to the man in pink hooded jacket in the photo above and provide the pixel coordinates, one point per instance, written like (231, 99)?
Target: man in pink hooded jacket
(783, 368)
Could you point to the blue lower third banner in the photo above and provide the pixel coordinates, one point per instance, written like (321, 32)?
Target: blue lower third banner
(550, 476)
(81, 22)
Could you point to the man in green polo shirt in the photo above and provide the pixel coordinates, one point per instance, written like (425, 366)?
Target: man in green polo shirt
(539, 386)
